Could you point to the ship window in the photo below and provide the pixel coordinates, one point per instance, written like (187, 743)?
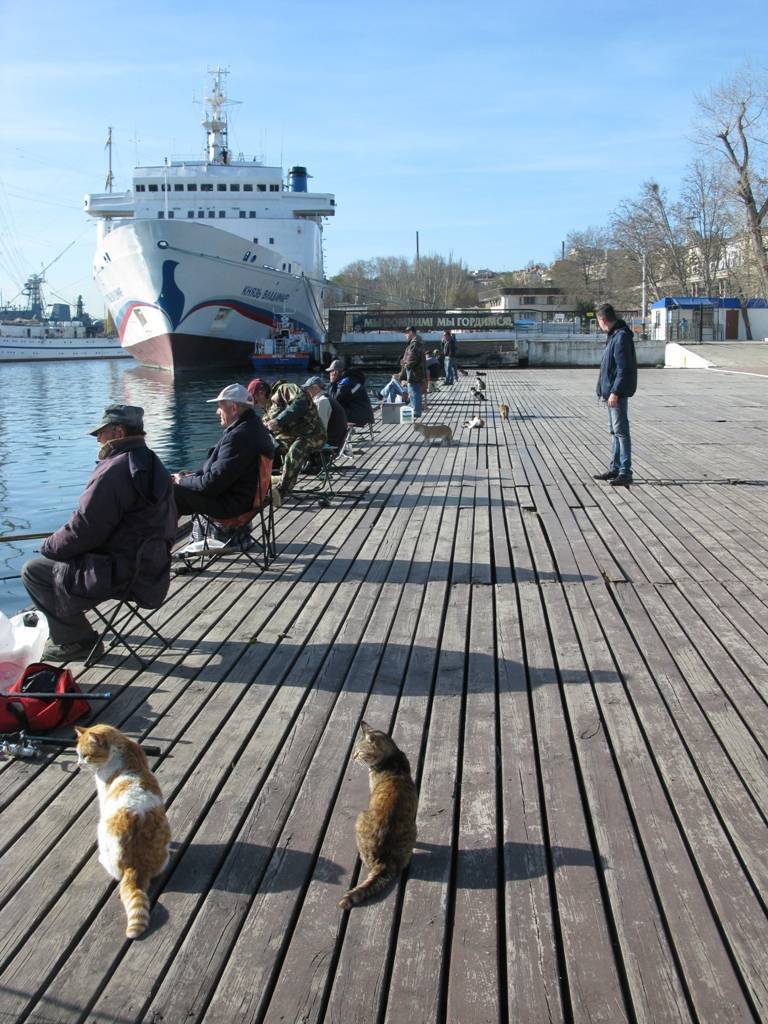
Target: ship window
(255, 241)
(163, 188)
(221, 188)
(206, 188)
(262, 188)
(190, 213)
(141, 188)
(152, 188)
(191, 188)
(234, 188)
(222, 213)
(274, 188)
(160, 214)
(242, 214)
(200, 213)
(271, 241)
(211, 213)
(251, 213)
(171, 215)
(178, 188)
(247, 188)
(283, 266)
(289, 268)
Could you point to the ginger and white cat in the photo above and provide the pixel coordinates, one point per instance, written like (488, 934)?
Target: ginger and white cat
(133, 832)
(386, 832)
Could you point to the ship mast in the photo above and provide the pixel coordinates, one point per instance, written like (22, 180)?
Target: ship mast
(108, 147)
(215, 122)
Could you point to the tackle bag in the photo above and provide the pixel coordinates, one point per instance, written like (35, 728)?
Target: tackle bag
(36, 714)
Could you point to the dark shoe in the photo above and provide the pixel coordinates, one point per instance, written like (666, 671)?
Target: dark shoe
(622, 480)
(71, 651)
(609, 474)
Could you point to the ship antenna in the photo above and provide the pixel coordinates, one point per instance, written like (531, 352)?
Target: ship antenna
(108, 147)
(215, 122)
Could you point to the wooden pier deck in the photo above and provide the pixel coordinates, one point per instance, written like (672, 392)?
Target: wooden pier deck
(579, 676)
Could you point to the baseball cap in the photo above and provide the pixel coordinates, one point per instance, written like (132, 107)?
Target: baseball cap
(121, 416)
(337, 364)
(233, 393)
(256, 385)
(314, 381)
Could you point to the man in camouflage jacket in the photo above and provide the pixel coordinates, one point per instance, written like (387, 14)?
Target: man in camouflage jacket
(294, 422)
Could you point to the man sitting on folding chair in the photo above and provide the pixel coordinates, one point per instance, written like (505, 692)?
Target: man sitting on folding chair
(231, 476)
(298, 430)
(127, 507)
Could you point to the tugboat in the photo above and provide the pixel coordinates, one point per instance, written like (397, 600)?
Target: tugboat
(199, 259)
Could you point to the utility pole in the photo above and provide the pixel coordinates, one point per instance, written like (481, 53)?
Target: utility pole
(417, 248)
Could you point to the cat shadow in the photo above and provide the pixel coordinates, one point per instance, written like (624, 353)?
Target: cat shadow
(478, 869)
(290, 868)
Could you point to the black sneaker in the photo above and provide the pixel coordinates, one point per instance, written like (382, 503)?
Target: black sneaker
(71, 651)
(622, 480)
(609, 474)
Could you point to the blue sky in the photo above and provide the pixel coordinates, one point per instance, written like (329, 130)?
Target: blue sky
(492, 129)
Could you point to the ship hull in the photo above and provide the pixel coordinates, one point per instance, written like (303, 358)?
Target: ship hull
(186, 295)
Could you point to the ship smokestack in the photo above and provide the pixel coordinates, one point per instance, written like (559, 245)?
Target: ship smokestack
(297, 179)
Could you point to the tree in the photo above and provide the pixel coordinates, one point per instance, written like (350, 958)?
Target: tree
(704, 207)
(431, 282)
(732, 121)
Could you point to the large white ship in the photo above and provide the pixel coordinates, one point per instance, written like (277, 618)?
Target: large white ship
(201, 259)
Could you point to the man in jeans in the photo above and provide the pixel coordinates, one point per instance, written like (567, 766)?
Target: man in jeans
(414, 368)
(449, 357)
(616, 384)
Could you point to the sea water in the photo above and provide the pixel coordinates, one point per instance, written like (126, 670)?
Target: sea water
(47, 455)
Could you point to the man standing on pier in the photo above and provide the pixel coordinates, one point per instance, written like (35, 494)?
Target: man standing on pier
(414, 368)
(449, 357)
(616, 384)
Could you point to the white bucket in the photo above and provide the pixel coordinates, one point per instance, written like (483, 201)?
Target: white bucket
(406, 414)
(20, 645)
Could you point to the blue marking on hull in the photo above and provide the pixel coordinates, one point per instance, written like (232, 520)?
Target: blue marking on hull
(171, 297)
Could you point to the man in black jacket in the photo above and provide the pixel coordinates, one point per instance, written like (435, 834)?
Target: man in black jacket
(616, 384)
(227, 484)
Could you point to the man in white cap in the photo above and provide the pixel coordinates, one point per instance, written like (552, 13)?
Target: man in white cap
(227, 483)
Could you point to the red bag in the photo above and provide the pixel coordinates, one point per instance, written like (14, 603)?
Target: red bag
(37, 715)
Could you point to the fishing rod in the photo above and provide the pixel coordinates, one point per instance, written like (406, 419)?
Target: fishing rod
(21, 744)
(12, 537)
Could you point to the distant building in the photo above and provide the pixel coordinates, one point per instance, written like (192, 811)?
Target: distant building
(531, 302)
(699, 319)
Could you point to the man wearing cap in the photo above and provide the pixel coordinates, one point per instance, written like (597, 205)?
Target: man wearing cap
(127, 507)
(226, 485)
(414, 368)
(297, 428)
(331, 412)
(348, 388)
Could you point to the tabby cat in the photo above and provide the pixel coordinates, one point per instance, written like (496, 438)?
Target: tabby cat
(386, 832)
(434, 432)
(133, 830)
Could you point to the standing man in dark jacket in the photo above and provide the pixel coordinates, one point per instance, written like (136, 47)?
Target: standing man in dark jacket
(449, 357)
(228, 482)
(616, 384)
(127, 507)
(414, 368)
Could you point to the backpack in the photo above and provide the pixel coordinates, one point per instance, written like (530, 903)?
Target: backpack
(40, 715)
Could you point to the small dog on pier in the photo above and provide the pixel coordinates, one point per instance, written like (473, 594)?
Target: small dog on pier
(478, 395)
(476, 423)
(479, 383)
(434, 432)
(504, 410)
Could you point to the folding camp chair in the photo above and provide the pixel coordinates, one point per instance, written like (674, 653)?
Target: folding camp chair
(354, 439)
(126, 613)
(251, 534)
